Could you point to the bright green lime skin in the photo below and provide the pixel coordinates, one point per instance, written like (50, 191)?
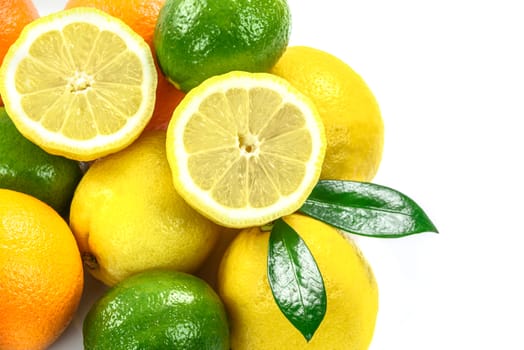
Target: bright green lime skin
(158, 309)
(25, 167)
(197, 39)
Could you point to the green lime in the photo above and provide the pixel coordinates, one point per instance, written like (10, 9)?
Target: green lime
(158, 309)
(25, 167)
(197, 39)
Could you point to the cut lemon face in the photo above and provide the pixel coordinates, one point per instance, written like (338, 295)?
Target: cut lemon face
(245, 148)
(79, 83)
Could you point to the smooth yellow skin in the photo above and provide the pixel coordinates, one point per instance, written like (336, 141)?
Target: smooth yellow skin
(255, 320)
(127, 215)
(349, 111)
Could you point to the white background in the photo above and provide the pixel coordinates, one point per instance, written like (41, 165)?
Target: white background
(449, 78)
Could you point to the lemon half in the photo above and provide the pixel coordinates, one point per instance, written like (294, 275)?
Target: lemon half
(245, 148)
(79, 83)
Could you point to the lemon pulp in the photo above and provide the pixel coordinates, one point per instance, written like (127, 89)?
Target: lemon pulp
(245, 148)
(79, 83)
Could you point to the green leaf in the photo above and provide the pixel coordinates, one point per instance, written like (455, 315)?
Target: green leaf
(295, 280)
(366, 209)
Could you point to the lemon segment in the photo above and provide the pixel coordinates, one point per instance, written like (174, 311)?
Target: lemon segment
(245, 148)
(79, 83)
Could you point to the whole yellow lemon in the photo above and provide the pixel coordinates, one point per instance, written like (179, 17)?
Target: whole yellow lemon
(127, 216)
(348, 108)
(256, 321)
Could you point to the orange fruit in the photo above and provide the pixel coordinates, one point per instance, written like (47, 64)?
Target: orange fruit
(14, 15)
(167, 98)
(141, 16)
(41, 277)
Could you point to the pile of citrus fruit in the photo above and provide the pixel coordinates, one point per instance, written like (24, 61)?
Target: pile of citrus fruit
(205, 171)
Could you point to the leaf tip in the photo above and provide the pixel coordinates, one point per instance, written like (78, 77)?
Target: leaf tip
(308, 336)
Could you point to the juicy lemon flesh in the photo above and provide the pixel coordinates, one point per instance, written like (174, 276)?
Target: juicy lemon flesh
(251, 151)
(79, 83)
(253, 145)
(84, 84)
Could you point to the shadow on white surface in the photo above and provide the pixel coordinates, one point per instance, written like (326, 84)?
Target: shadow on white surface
(72, 339)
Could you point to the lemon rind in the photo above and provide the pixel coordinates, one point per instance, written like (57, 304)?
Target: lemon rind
(200, 199)
(56, 143)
